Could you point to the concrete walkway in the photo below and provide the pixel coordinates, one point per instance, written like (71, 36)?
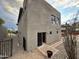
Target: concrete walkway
(28, 55)
(39, 53)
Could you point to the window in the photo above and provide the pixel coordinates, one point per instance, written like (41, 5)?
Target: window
(52, 19)
(55, 19)
(57, 31)
(50, 32)
(59, 20)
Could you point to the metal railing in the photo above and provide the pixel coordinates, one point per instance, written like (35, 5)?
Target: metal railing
(6, 48)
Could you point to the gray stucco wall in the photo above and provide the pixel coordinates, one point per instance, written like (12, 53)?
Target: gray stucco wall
(22, 29)
(37, 18)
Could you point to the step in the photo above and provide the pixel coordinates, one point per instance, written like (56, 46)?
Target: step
(43, 49)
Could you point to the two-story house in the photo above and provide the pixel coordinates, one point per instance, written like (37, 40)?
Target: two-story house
(38, 23)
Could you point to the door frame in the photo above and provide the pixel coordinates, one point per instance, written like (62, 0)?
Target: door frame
(41, 38)
(24, 44)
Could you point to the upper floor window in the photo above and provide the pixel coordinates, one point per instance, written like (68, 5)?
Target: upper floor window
(54, 19)
(57, 20)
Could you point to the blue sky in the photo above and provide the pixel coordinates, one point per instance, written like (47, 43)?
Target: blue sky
(9, 10)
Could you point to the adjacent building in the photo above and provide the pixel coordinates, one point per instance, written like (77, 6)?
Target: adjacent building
(3, 33)
(38, 23)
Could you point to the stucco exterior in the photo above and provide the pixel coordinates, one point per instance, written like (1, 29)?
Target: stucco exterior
(36, 18)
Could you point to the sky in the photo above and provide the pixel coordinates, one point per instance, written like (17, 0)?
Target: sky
(9, 10)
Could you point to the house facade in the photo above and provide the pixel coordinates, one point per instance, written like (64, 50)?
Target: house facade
(38, 23)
